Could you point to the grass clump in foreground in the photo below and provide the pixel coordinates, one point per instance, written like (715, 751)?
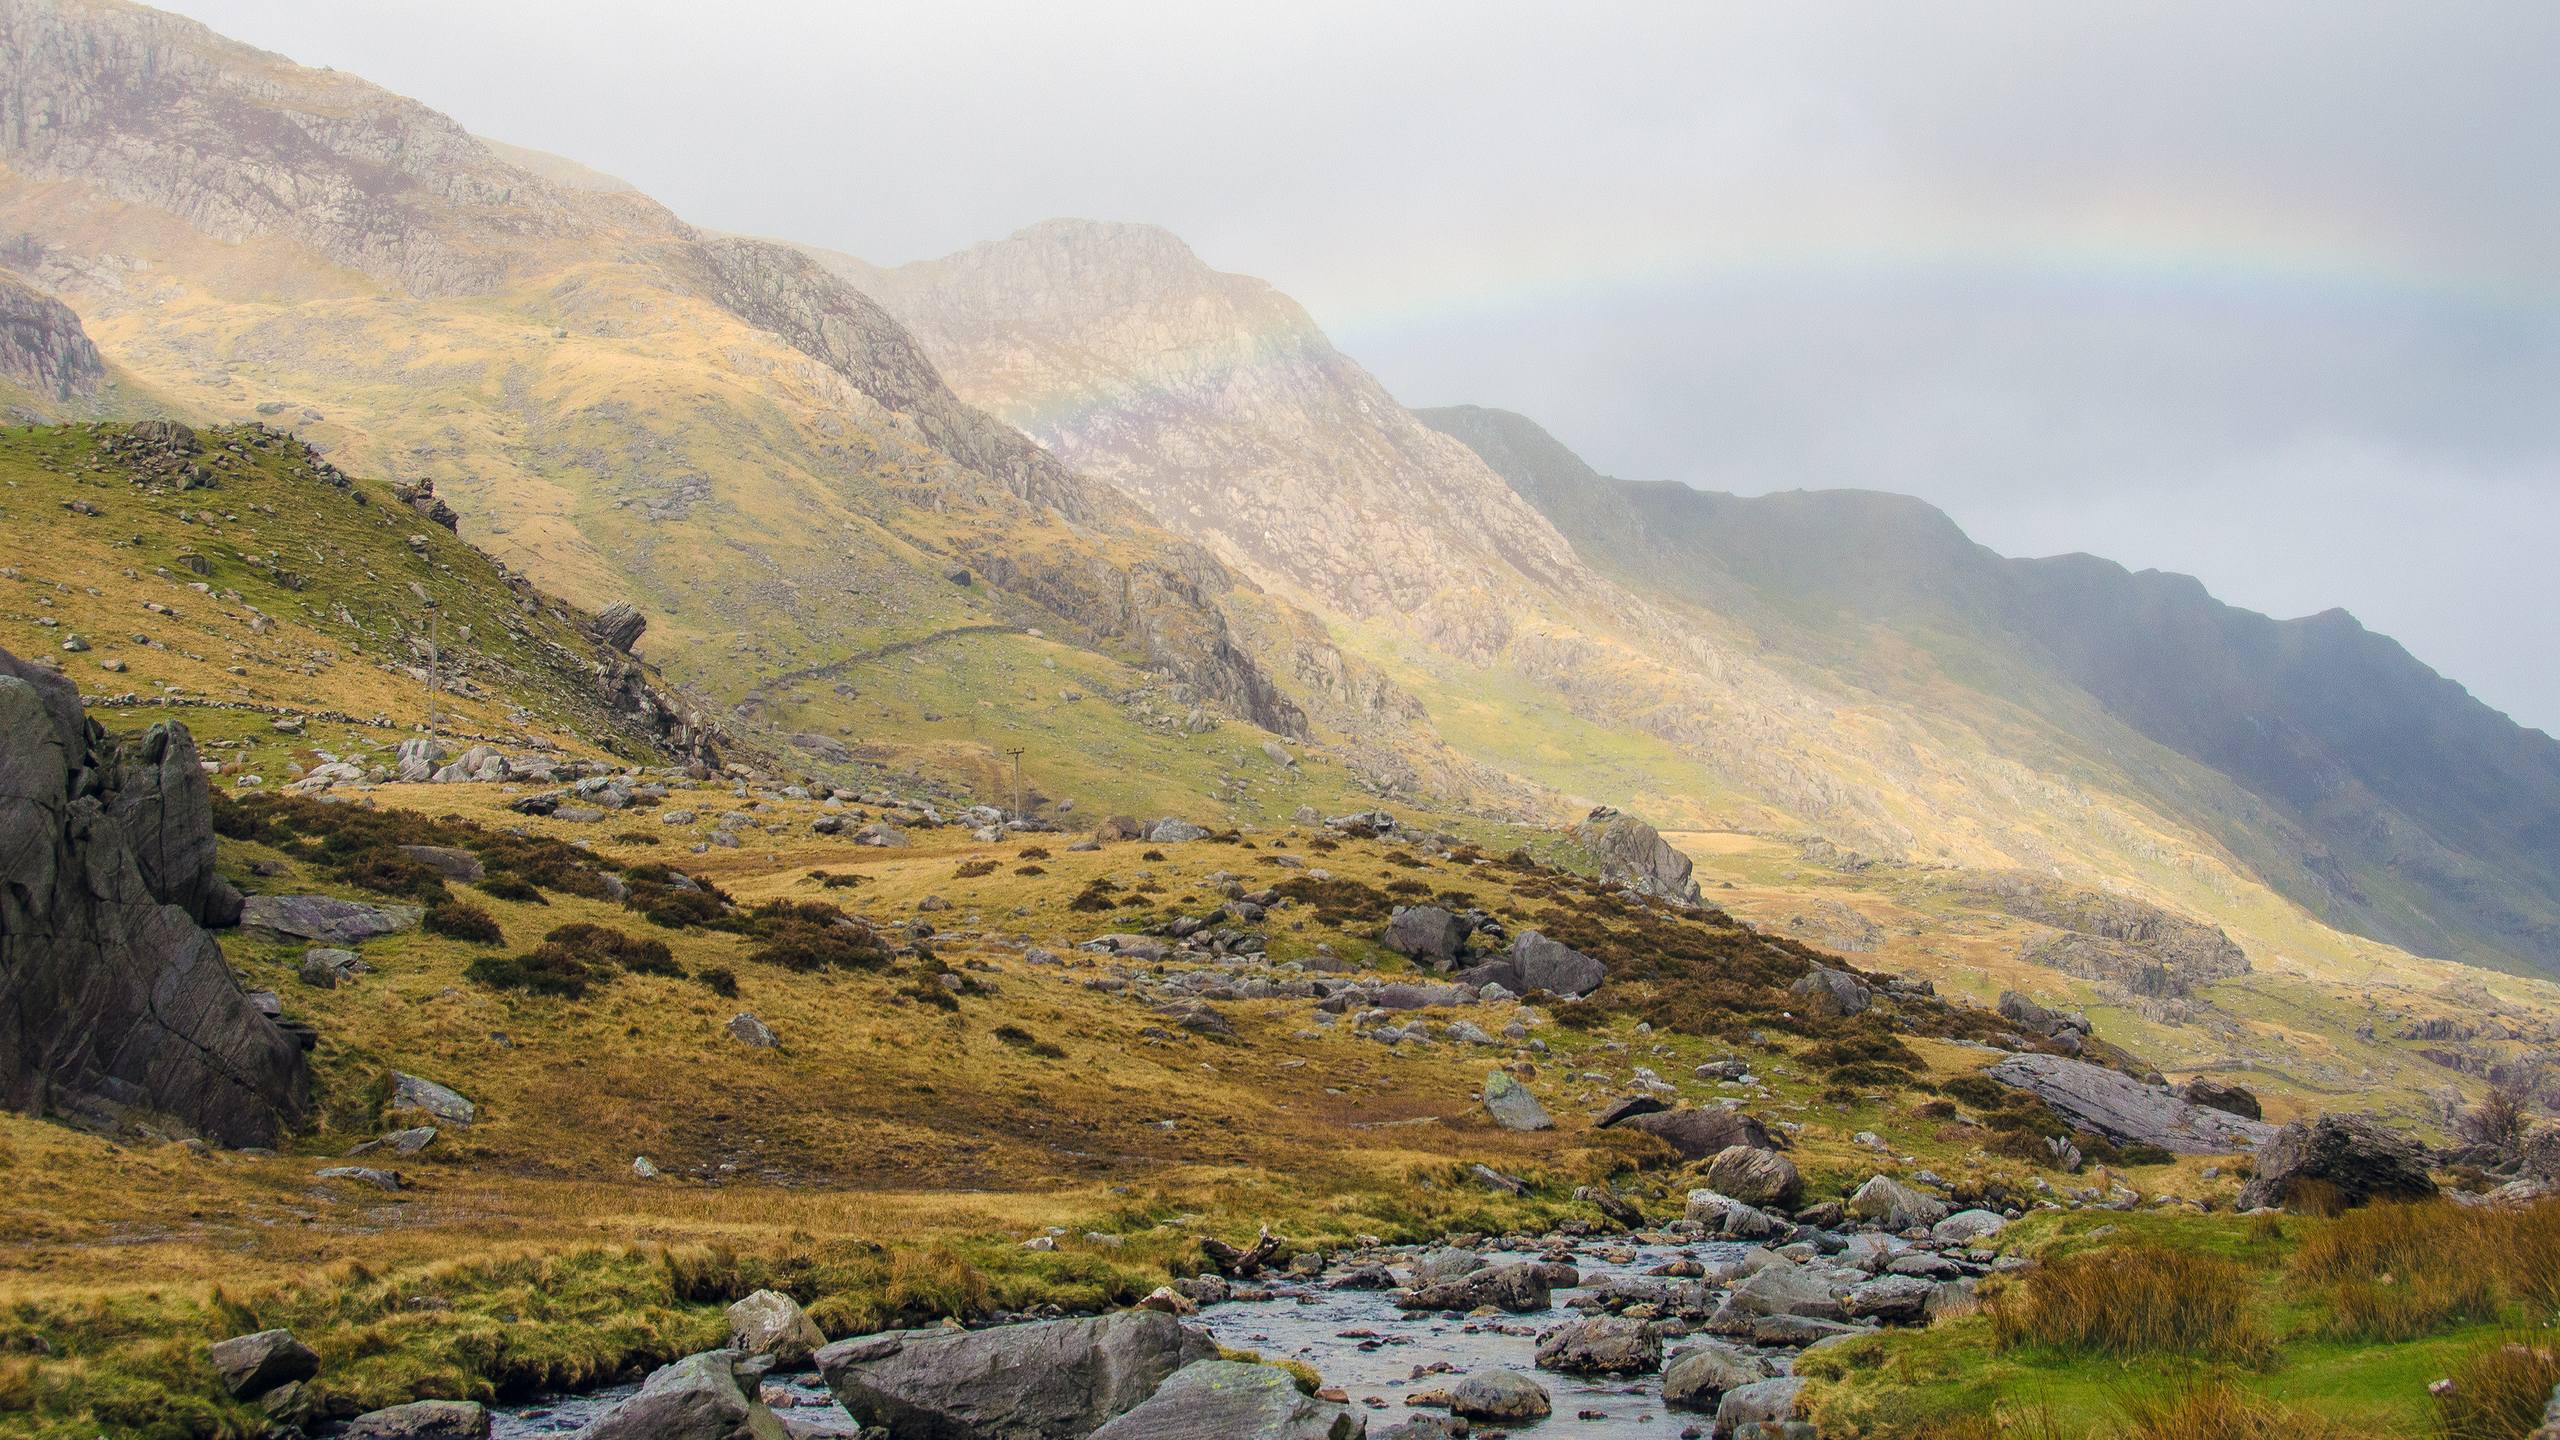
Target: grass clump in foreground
(2213, 1327)
(2134, 1301)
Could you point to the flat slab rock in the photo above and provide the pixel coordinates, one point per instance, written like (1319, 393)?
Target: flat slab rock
(1044, 1380)
(2127, 1111)
(326, 918)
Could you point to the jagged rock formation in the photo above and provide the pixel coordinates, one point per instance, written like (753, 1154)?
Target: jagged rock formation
(112, 993)
(2344, 773)
(1635, 855)
(2130, 944)
(43, 347)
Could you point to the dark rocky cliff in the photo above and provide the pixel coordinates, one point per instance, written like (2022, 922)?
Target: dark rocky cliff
(113, 995)
(42, 345)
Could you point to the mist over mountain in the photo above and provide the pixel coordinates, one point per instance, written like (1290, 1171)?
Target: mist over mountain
(2428, 816)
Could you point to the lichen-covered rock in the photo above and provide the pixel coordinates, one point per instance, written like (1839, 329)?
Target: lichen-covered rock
(112, 993)
(1512, 1106)
(772, 1324)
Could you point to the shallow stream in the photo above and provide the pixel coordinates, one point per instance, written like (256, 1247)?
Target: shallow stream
(1356, 1339)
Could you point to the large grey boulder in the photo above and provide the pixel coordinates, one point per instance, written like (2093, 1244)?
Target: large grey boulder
(1539, 963)
(1761, 1402)
(2337, 1160)
(1227, 1400)
(1966, 1226)
(700, 1397)
(1787, 1290)
(1700, 1133)
(772, 1324)
(1755, 1176)
(415, 1093)
(326, 919)
(1601, 1345)
(252, 1365)
(1425, 934)
(448, 861)
(422, 1420)
(1045, 1380)
(1635, 855)
(1830, 993)
(1499, 1395)
(113, 996)
(2123, 1109)
(1699, 1376)
(1890, 1299)
(1512, 1106)
(1888, 1204)
(1520, 1289)
(1172, 831)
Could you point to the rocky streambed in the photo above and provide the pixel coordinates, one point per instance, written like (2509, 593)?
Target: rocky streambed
(1691, 1332)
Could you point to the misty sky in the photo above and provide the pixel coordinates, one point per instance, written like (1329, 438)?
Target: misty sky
(2266, 293)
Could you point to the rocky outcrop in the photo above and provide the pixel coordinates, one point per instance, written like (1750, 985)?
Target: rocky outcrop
(2337, 1160)
(1045, 1380)
(1635, 855)
(112, 993)
(42, 345)
(2115, 1105)
(620, 626)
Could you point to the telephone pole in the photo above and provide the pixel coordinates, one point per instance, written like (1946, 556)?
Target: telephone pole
(1018, 816)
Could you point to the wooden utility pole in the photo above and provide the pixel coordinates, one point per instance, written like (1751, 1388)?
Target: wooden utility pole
(1018, 816)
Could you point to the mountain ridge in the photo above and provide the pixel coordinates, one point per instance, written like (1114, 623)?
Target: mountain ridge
(2282, 723)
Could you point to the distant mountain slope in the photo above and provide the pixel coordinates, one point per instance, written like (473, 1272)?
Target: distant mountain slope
(622, 405)
(2425, 818)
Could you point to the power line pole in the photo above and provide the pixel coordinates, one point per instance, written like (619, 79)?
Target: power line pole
(1016, 753)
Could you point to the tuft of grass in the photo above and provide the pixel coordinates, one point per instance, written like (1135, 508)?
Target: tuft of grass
(2216, 1409)
(459, 919)
(2132, 1301)
(2498, 1393)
